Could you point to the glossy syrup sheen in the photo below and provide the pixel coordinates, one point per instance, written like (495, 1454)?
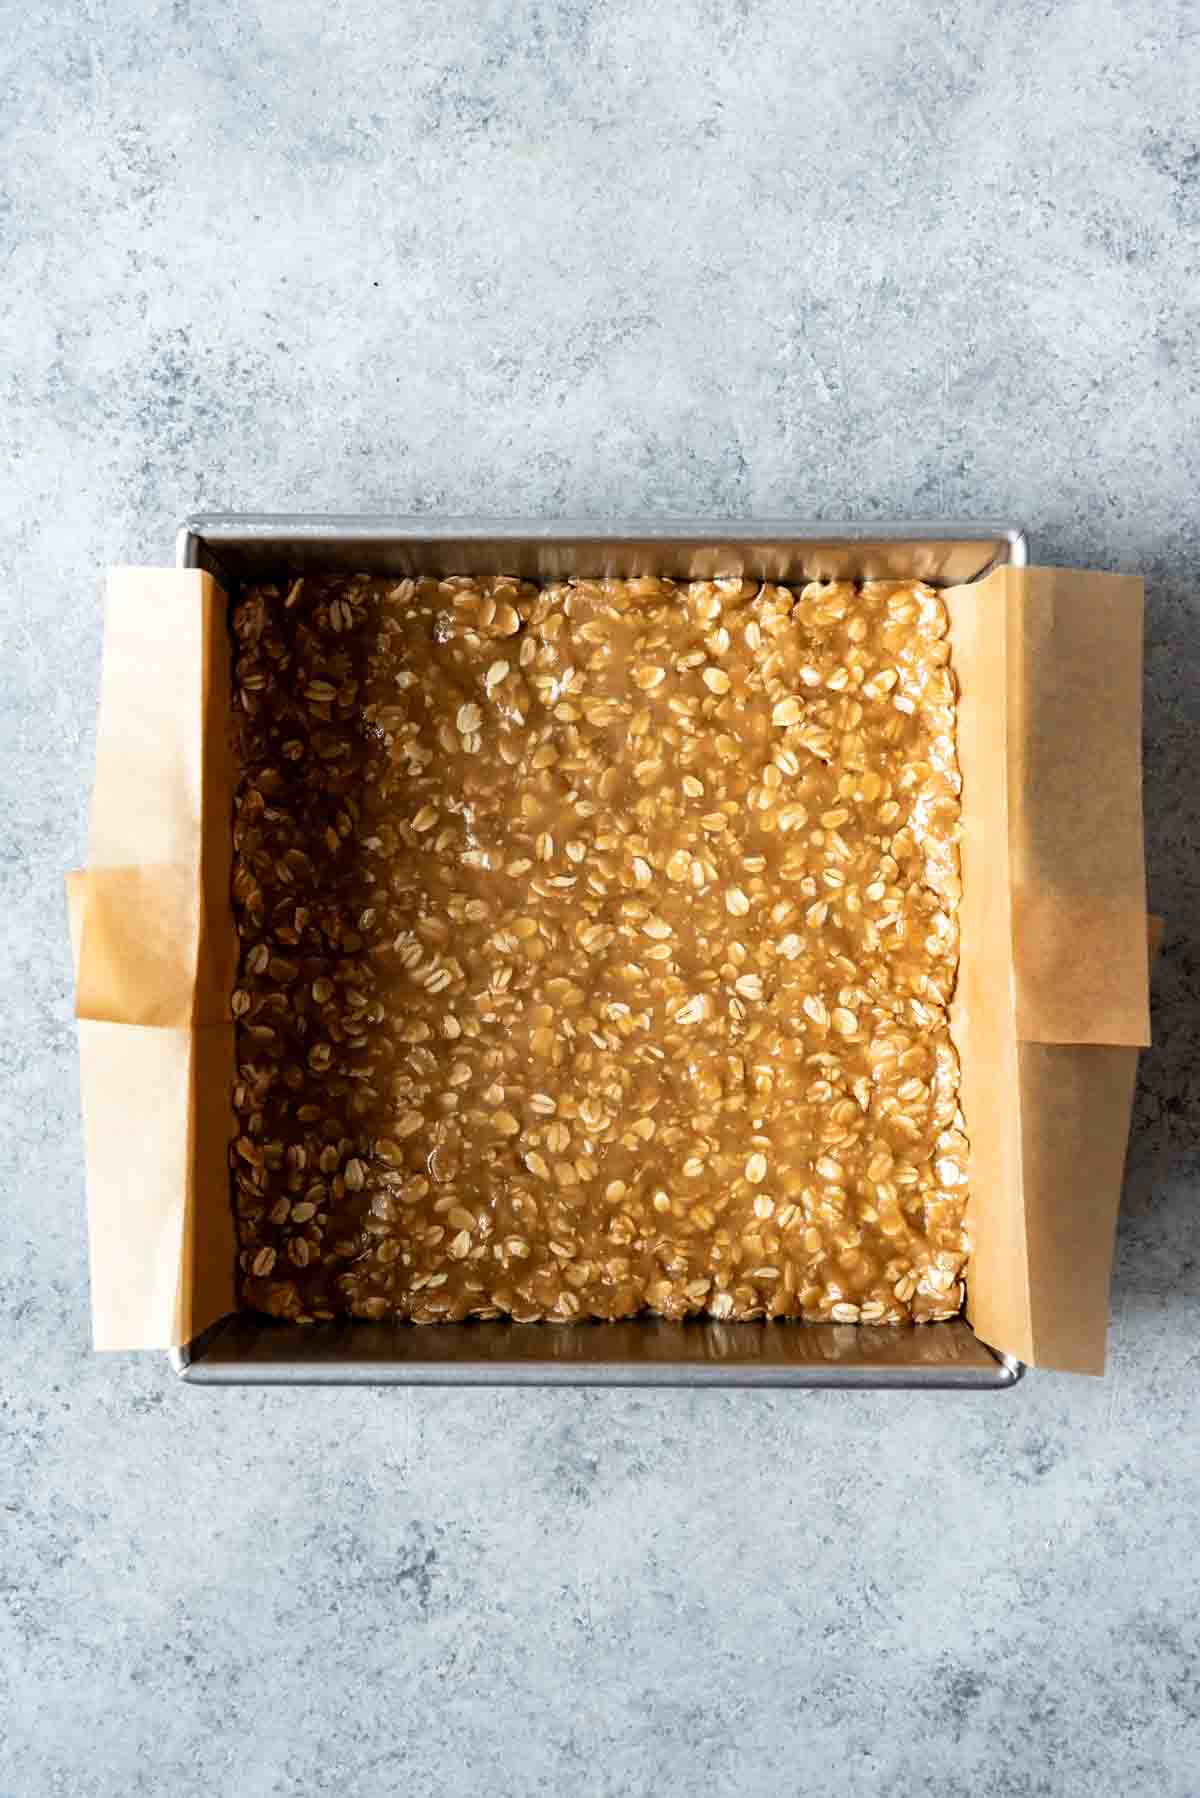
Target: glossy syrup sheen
(597, 940)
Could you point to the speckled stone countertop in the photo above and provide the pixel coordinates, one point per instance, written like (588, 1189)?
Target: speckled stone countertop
(584, 256)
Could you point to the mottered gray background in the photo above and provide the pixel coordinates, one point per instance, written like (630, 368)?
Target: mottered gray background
(587, 256)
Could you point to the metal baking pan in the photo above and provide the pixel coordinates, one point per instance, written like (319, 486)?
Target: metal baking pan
(244, 1349)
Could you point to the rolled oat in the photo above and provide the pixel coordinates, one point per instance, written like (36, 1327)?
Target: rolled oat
(597, 941)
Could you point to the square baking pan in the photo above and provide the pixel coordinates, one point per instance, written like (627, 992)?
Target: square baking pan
(245, 1349)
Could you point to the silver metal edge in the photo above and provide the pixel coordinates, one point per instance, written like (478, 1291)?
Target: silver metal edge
(191, 539)
(614, 1374)
(664, 526)
(191, 1365)
(200, 532)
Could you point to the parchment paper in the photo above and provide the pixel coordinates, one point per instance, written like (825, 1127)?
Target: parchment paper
(1052, 998)
(1053, 989)
(157, 957)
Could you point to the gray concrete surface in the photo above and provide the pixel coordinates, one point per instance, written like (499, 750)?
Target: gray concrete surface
(589, 256)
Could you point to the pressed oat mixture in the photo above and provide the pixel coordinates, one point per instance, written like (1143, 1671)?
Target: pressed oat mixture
(596, 944)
